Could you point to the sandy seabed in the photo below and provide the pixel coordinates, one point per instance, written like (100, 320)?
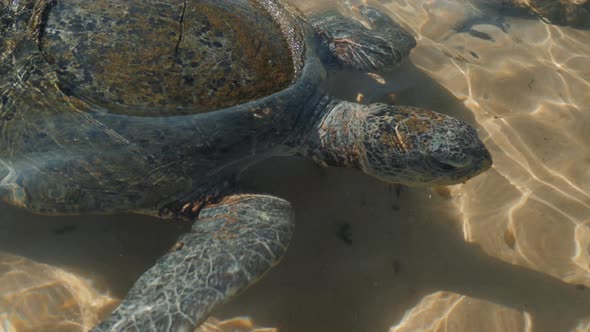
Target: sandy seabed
(507, 251)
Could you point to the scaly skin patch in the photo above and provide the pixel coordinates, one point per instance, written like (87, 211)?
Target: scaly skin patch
(155, 57)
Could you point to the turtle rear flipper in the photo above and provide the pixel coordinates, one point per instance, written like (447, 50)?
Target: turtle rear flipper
(349, 43)
(231, 245)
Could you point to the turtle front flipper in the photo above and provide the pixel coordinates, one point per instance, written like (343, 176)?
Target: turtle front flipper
(231, 245)
(395, 144)
(349, 43)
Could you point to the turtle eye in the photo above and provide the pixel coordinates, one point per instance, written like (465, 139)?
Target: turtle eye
(452, 165)
(444, 166)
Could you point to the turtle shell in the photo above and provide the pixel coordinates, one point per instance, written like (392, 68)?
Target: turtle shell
(148, 57)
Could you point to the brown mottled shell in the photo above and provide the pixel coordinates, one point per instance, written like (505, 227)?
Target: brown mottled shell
(148, 57)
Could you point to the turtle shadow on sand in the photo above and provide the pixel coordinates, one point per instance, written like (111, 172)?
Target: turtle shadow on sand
(401, 249)
(406, 84)
(111, 250)
(399, 252)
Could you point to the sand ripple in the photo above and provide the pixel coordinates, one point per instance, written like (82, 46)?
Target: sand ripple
(445, 311)
(40, 297)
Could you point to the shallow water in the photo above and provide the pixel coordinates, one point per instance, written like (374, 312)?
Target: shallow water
(507, 251)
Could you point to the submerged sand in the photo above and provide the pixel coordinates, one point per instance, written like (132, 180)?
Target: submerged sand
(507, 251)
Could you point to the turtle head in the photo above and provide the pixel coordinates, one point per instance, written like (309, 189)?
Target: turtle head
(398, 144)
(419, 147)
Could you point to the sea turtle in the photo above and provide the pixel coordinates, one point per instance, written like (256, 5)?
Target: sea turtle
(157, 106)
